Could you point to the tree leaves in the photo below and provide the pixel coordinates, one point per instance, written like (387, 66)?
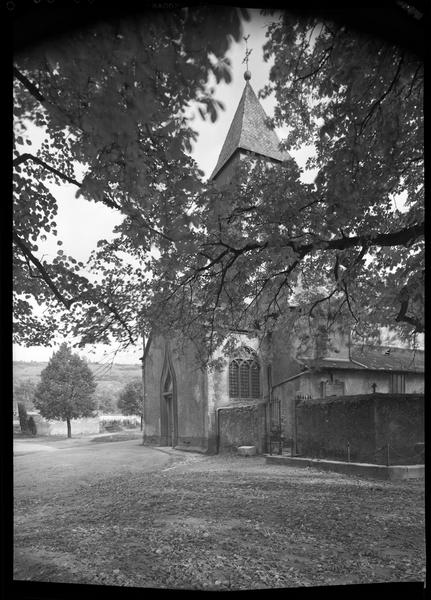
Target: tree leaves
(110, 99)
(66, 387)
(131, 400)
(202, 259)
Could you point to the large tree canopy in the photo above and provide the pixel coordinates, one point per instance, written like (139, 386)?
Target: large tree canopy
(276, 250)
(265, 249)
(367, 124)
(111, 99)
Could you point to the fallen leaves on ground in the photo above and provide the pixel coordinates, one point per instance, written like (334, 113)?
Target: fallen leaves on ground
(223, 523)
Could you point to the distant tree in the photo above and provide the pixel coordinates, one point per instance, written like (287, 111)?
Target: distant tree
(66, 388)
(105, 402)
(131, 401)
(24, 392)
(23, 418)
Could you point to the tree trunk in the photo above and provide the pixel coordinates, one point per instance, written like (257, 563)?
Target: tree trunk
(142, 422)
(69, 429)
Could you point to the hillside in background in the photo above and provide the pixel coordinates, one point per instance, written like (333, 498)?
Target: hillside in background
(110, 379)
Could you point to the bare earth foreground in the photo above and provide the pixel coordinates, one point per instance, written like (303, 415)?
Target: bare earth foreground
(124, 514)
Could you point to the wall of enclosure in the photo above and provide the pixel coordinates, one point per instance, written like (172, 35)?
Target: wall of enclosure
(373, 428)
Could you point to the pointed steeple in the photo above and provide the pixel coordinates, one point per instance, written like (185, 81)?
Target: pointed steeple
(249, 131)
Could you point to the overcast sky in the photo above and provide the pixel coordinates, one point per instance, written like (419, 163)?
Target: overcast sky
(80, 223)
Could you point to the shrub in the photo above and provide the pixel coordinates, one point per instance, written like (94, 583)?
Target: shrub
(23, 417)
(31, 426)
(117, 422)
(113, 426)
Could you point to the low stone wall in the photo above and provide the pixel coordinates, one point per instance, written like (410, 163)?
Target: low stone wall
(242, 425)
(366, 423)
(82, 426)
(118, 422)
(397, 473)
(400, 422)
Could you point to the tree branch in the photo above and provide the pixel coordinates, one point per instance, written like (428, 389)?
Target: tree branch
(67, 303)
(44, 274)
(144, 222)
(32, 275)
(36, 93)
(414, 80)
(319, 66)
(401, 237)
(403, 317)
(382, 97)
(29, 85)
(320, 300)
(27, 156)
(346, 293)
(395, 238)
(105, 200)
(119, 318)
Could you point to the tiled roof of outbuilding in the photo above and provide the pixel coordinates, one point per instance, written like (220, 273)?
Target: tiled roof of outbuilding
(319, 364)
(389, 359)
(250, 131)
(374, 358)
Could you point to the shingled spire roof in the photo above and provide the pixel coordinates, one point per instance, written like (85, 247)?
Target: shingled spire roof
(249, 131)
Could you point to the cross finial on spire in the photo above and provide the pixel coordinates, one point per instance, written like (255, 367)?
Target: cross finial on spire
(247, 74)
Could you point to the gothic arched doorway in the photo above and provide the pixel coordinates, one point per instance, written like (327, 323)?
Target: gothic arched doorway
(168, 405)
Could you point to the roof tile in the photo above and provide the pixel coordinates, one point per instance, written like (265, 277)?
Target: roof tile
(390, 358)
(374, 358)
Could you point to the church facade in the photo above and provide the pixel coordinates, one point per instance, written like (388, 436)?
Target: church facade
(214, 410)
(186, 405)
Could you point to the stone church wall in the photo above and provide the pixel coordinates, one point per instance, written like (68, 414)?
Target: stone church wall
(191, 396)
(152, 377)
(82, 426)
(242, 426)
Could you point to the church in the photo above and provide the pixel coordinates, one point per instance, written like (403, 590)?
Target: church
(256, 392)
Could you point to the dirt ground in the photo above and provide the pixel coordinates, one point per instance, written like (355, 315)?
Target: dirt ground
(128, 515)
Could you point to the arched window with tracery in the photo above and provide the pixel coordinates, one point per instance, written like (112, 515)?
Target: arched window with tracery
(244, 375)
